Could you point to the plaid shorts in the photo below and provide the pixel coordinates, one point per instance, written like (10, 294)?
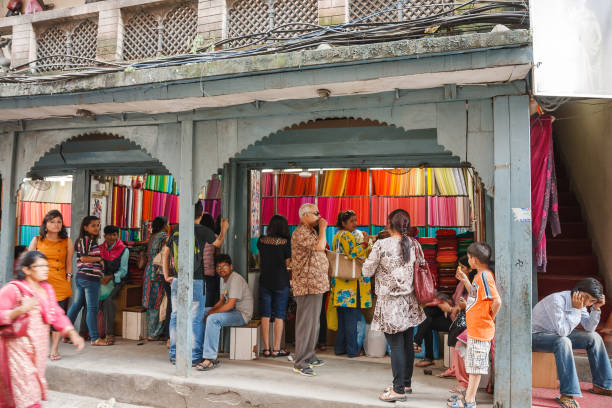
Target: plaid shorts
(477, 356)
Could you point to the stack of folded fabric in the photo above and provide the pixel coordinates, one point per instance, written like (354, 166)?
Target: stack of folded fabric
(447, 259)
(429, 246)
(464, 241)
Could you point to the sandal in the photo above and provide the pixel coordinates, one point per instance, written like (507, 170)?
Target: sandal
(407, 390)
(279, 353)
(55, 357)
(417, 348)
(207, 365)
(567, 402)
(455, 400)
(100, 343)
(387, 396)
(424, 363)
(266, 353)
(110, 339)
(600, 391)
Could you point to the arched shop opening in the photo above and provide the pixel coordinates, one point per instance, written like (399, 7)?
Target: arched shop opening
(357, 164)
(107, 176)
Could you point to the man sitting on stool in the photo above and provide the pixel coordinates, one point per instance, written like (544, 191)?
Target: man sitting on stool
(554, 321)
(235, 308)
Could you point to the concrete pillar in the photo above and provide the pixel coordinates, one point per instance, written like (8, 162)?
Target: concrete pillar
(513, 251)
(238, 235)
(184, 332)
(212, 20)
(333, 12)
(24, 44)
(8, 154)
(80, 202)
(110, 35)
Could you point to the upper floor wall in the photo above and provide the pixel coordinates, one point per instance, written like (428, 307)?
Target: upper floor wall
(74, 34)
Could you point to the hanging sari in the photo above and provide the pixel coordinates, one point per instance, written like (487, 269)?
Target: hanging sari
(23, 359)
(152, 288)
(544, 200)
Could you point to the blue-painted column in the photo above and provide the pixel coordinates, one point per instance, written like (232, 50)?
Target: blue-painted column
(184, 332)
(9, 206)
(513, 251)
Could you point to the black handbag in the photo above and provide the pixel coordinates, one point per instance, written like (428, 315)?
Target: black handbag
(457, 327)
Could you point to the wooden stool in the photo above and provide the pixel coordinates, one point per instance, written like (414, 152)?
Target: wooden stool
(543, 370)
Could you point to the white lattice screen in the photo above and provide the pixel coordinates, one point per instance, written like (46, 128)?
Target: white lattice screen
(247, 17)
(295, 11)
(83, 42)
(396, 10)
(140, 37)
(161, 31)
(180, 29)
(59, 47)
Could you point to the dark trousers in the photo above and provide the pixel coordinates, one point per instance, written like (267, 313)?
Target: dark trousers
(211, 290)
(435, 320)
(107, 306)
(166, 328)
(346, 341)
(322, 340)
(402, 359)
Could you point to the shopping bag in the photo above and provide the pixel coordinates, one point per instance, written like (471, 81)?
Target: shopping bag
(340, 266)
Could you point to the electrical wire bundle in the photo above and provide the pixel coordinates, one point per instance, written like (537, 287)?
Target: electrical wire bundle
(472, 16)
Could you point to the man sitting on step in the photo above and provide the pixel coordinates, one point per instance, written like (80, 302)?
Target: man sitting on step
(554, 321)
(235, 308)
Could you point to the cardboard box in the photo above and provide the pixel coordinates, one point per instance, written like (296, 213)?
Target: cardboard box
(543, 370)
(243, 341)
(134, 323)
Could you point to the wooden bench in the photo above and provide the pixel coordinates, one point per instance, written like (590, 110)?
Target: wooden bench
(543, 370)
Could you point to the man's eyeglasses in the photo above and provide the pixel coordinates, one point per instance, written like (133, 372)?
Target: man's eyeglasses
(220, 267)
(316, 213)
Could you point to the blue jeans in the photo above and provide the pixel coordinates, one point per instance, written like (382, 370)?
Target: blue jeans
(197, 312)
(212, 329)
(273, 303)
(566, 367)
(86, 291)
(346, 340)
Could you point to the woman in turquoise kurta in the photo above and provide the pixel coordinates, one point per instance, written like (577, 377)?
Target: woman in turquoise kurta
(153, 285)
(350, 295)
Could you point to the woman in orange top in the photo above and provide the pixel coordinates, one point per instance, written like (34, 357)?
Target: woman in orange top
(53, 241)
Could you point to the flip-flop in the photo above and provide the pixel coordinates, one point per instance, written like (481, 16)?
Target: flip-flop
(55, 357)
(567, 402)
(407, 390)
(202, 367)
(424, 363)
(279, 353)
(387, 397)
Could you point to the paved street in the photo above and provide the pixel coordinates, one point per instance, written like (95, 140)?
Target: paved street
(63, 400)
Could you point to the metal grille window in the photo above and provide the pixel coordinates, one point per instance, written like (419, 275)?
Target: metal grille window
(62, 46)
(396, 10)
(248, 17)
(160, 31)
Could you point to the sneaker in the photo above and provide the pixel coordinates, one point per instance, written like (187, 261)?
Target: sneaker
(316, 363)
(306, 371)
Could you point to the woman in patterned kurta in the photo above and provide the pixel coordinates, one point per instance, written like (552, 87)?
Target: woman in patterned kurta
(23, 359)
(152, 287)
(397, 309)
(350, 295)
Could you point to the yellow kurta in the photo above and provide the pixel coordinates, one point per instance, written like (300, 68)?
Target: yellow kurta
(344, 291)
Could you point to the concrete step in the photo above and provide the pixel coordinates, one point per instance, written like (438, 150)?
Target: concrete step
(570, 213)
(561, 246)
(578, 265)
(142, 375)
(571, 230)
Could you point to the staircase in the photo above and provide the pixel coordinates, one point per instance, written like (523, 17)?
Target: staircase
(570, 255)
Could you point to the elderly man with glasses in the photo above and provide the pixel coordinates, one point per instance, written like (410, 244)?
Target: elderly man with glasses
(309, 283)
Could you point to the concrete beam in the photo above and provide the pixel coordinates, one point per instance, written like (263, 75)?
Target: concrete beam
(8, 156)
(513, 251)
(184, 332)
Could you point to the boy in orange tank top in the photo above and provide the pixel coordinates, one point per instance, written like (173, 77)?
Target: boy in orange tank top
(483, 303)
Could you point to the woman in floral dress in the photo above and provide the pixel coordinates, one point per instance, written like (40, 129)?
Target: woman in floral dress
(153, 289)
(23, 356)
(397, 309)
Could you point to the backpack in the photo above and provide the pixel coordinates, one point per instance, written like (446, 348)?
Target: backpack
(197, 251)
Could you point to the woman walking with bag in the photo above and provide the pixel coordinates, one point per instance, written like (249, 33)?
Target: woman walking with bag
(27, 308)
(153, 285)
(397, 309)
(54, 243)
(350, 295)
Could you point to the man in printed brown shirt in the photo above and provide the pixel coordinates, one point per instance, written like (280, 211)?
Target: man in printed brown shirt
(309, 281)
